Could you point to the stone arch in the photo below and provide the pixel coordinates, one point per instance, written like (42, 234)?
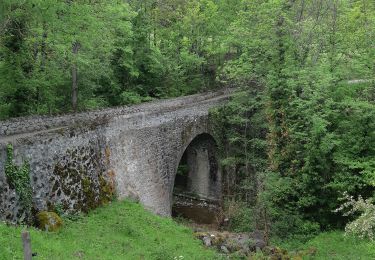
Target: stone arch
(197, 182)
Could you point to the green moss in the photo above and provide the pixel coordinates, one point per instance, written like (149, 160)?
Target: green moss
(49, 221)
(89, 195)
(186, 134)
(74, 171)
(86, 185)
(104, 190)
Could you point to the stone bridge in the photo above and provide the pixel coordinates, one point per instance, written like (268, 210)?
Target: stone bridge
(80, 161)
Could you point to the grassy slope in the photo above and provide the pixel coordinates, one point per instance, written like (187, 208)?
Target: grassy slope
(333, 246)
(123, 230)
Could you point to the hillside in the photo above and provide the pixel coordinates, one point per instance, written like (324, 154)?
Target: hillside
(122, 230)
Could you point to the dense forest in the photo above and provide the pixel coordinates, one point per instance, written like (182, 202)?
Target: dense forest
(61, 56)
(297, 143)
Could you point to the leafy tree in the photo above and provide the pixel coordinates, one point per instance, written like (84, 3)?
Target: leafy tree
(306, 54)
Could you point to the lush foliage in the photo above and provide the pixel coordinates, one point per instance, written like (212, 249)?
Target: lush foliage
(314, 63)
(241, 129)
(364, 225)
(59, 56)
(122, 230)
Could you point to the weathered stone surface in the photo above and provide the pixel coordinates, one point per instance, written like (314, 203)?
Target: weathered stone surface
(224, 250)
(257, 241)
(207, 241)
(79, 161)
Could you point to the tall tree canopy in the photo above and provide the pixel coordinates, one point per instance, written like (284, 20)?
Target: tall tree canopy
(313, 62)
(59, 56)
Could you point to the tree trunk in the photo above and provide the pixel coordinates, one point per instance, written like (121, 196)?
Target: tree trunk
(43, 53)
(75, 49)
(43, 48)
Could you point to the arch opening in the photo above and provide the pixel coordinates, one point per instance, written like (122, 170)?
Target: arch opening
(197, 186)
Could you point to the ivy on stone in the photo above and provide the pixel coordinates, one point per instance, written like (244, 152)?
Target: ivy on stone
(19, 179)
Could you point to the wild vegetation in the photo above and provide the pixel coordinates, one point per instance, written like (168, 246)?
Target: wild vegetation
(61, 56)
(299, 135)
(19, 179)
(303, 133)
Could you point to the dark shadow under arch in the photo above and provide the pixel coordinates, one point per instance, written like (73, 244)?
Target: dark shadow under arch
(197, 186)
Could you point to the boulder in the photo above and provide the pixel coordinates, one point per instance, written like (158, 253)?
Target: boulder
(207, 241)
(224, 250)
(257, 241)
(49, 221)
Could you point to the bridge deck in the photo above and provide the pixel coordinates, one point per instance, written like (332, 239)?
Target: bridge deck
(34, 125)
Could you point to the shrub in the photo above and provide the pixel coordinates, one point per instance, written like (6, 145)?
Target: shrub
(363, 225)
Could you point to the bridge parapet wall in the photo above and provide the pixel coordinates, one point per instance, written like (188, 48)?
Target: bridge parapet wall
(40, 123)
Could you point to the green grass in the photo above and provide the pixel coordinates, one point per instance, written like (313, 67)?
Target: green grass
(122, 230)
(335, 246)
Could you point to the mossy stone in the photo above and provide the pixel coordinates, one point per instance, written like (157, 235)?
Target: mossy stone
(49, 221)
